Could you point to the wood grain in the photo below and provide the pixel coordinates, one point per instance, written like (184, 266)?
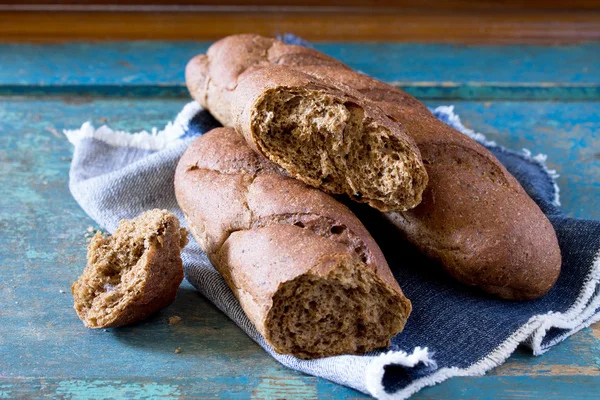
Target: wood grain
(487, 26)
(342, 4)
(433, 65)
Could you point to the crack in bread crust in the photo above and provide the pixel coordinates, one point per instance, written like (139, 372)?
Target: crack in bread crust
(319, 224)
(324, 227)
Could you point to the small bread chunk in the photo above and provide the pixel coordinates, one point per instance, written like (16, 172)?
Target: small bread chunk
(133, 273)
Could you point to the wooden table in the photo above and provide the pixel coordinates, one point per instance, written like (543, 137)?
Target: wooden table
(542, 98)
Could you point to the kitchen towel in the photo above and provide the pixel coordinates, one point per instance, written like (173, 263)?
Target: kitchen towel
(453, 330)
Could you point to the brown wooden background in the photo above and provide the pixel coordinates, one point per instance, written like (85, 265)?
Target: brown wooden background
(501, 21)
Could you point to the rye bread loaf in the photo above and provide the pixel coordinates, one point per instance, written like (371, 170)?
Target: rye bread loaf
(133, 273)
(306, 272)
(321, 132)
(475, 218)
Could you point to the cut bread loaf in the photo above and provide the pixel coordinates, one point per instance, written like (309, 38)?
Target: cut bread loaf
(133, 273)
(475, 218)
(318, 131)
(306, 272)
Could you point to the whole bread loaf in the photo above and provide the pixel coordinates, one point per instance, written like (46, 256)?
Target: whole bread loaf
(306, 272)
(475, 218)
(319, 131)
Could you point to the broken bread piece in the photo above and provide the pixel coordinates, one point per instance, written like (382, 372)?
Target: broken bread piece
(306, 272)
(133, 273)
(318, 130)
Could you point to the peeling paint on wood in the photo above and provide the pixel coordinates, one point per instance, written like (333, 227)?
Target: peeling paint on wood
(546, 370)
(426, 71)
(596, 330)
(83, 390)
(279, 385)
(516, 387)
(163, 63)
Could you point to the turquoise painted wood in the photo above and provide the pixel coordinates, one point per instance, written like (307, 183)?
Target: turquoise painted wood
(156, 69)
(46, 351)
(163, 62)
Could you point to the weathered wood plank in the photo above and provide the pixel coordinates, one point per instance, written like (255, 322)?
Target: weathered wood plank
(488, 387)
(386, 24)
(45, 349)
(432, 71)
(325, 5)
(155, 69)
(422, 90)
(516, 387)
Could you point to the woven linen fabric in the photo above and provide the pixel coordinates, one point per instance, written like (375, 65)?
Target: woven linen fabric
(453, 330)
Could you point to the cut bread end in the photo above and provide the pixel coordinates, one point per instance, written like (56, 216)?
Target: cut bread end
(133, 273)
(334, 146)
(348, 311)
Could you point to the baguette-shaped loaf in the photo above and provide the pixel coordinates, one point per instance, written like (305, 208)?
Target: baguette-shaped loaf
(307, 273)
(475, 218)
(319, 131)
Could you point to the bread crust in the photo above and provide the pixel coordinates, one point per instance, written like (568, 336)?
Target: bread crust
(475, 218)
(239, 97)
(145, 255)
(262, 229)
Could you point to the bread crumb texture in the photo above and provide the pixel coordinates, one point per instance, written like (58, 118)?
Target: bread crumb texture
(348, 311)
(307, 273)
(336, 146)
(133, 273)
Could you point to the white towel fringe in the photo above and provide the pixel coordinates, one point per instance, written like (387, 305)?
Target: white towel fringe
(376, 368)
(581, 315)
(155, 140)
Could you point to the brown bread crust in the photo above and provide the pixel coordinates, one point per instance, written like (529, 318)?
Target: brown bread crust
(344, 141)
(475, 218)
(267, 234)
(133, 273)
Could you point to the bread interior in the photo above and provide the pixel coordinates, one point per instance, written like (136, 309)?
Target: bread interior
(333, 145)
(348, 311)
(117, 268)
